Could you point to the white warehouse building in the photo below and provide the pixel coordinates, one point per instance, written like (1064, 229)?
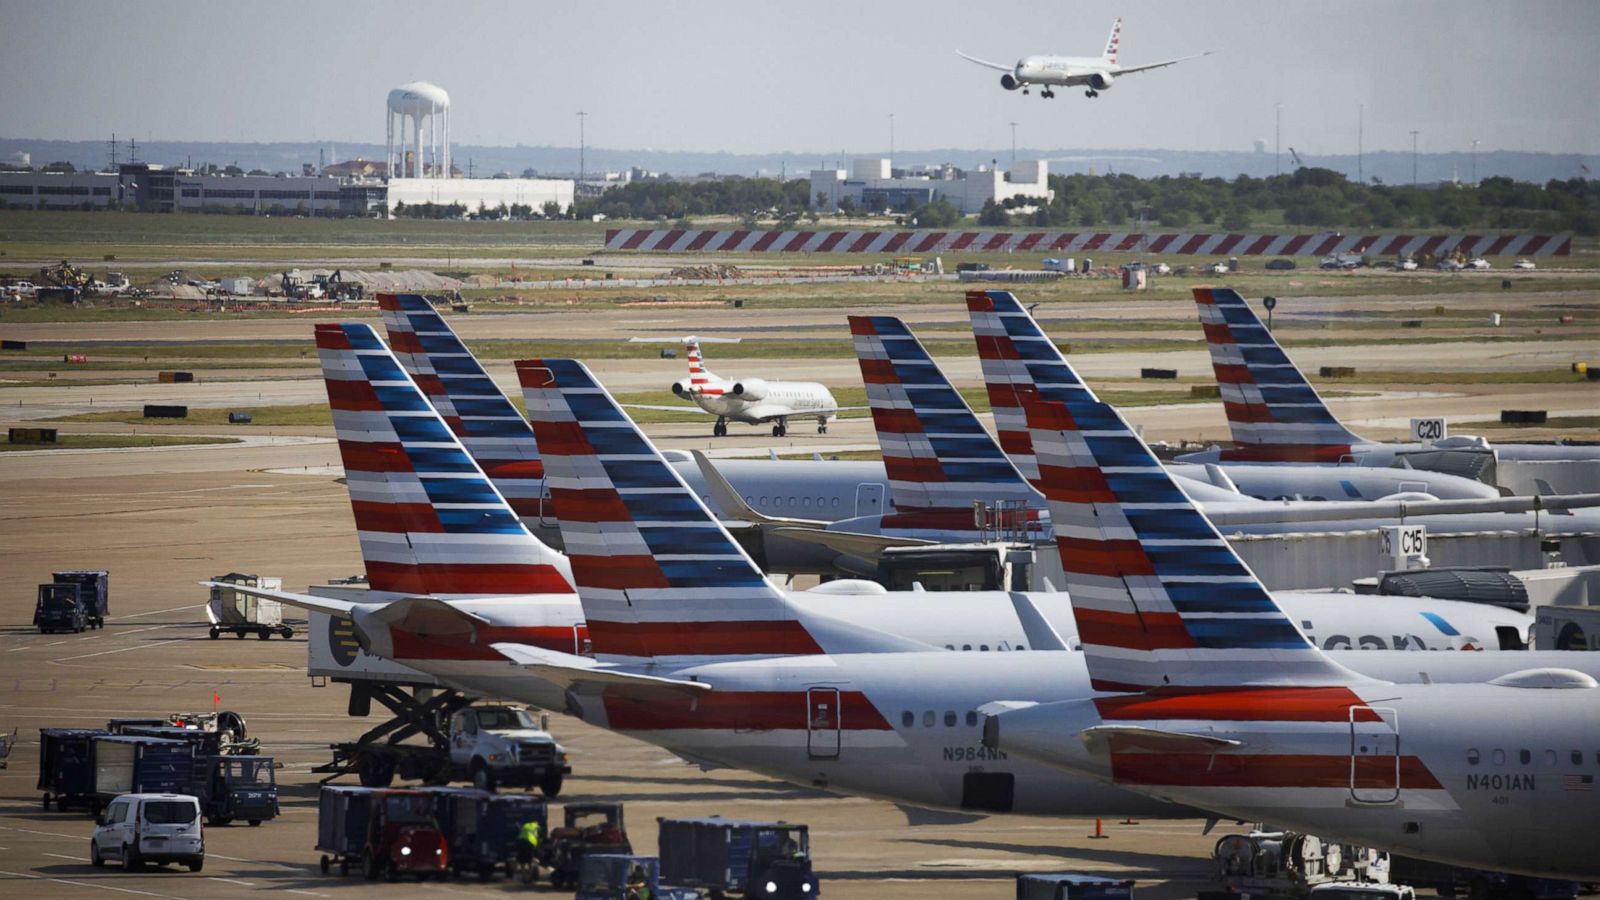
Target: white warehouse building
(872, 185)
(488, 193)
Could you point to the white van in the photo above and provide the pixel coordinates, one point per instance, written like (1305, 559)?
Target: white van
(153, 828)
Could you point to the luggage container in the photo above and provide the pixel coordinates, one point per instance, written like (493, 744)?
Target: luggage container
(342, 814)
(66, 766)
(240, 613)
(482, 827)
(387, 832)
(1062, 886)
(128, 764)
(96, 591)
(766, 859)
(621, 876)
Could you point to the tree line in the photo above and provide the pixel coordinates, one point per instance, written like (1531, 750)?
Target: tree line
(1309, 197)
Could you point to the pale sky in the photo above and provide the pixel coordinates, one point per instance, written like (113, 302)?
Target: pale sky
(820, 76)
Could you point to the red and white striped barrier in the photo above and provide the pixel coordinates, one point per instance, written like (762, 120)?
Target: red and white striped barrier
(684, 240)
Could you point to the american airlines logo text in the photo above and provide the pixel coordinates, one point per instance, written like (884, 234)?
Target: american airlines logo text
(972, 754)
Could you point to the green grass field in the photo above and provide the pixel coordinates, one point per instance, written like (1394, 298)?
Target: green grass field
(271, 416)
(105, 441)
(1553, 422)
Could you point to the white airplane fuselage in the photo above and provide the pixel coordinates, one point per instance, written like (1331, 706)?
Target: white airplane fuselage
(1065, 71)
(1410, 768)
(776, 400)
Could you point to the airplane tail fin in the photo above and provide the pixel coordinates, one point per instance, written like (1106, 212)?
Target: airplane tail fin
(1019, 360)
(1273, 411)
(477, 411)
(658, 575)
(429, 520)
(1160, 598)
(1113, 41)
(938, 455)
(699, 375)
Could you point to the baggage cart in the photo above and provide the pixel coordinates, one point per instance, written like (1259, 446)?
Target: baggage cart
(586, 828)
(128, 764)
(66, 766)
(482, 828)
(732, 856)
(240, 613)
(95, 592)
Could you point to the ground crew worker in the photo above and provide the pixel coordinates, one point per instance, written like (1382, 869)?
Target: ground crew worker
(527, 844)
(638, 884)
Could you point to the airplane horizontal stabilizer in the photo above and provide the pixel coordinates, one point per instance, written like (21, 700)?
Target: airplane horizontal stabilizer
(1105, 738)
(572, 670)
(851, 543)
(298, 601)
(683, 409)
(731, 503)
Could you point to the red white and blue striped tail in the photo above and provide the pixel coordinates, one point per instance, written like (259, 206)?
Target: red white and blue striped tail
(477, 411)
(658, 575)
(429, 520)
(1160, 598)
(1018, 361)
(939, 457)
(699, 376)
(1274, 413)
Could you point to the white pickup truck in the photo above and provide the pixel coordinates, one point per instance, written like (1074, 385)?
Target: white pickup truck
(490, 745)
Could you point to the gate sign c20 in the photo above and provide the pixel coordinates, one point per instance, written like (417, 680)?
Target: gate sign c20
(1405, 540)
(1430, 429)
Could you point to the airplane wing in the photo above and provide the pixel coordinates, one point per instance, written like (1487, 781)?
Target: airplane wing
(683, 409)
(984, 62)
(1040, 633)
(851, 543)
(568, 670)
(1340, 510)
(1101, 738)
(1129, 70)
(732, 504)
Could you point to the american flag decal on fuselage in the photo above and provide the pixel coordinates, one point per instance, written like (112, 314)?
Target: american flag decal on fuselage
(477, 411)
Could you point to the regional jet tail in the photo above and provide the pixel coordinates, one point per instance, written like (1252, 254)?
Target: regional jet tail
(1275, 415)
(1095, 73)
(1230, 708)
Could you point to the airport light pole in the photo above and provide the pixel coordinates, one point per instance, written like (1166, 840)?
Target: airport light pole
(1361, 130)
(1414, 134)
(581, 116)
(891, 145)
(1277, 139)
(1474, 162)
(1014, 142)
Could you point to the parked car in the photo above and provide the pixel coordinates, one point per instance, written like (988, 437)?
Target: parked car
(1524, 265)
(1217, 268)
(1281, 264)
(1447, 265)
(150, 828)
(1406, 264)
(1161, 268)
(1478, 262)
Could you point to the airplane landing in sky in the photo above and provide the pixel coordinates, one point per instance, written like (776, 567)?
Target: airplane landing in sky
(1094, 73)
(754, 401)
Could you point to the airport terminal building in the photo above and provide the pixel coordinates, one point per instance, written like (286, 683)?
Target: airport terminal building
(874, 185)
(150, 188)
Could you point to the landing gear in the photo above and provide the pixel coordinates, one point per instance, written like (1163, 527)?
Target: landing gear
(721, 428)
(1047, 94)
(781, 429)
(822, 428)
(1091, 93)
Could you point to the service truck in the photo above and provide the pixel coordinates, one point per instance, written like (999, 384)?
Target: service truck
(490, 745)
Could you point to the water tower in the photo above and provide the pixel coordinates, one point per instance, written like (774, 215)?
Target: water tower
(427, 108)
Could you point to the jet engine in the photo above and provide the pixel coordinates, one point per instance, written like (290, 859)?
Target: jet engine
(680, 388)
(754, 389)
(1100, 80)
(1009, 82)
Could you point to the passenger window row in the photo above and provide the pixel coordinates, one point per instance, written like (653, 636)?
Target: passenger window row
(1498, 757)
(764, 500)
(908, 719)
(984, 648)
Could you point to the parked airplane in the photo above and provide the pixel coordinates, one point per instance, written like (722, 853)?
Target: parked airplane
(754, 401)
(1096, 73)
(1276, 416)
(419, 489)
(1224, 705)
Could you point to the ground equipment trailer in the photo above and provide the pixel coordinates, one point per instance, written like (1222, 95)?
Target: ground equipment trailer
(213, 733)
(94, 590)
(731, 856)
(492, 746)
(482, 828)
(235, 612)
(620, 876)
(129, 764)
(66, 766)
(388, 833)
(586, 828)
(72, 602)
